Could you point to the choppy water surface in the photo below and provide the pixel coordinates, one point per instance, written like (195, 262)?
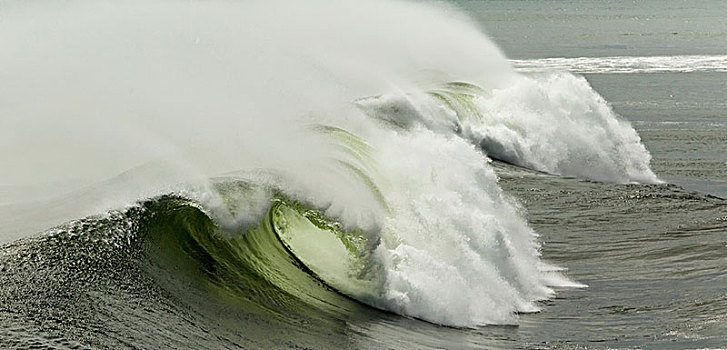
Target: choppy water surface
(653, 257)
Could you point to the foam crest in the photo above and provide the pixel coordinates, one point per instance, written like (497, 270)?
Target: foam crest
(558, 124)
(458, 253)
(553, 122)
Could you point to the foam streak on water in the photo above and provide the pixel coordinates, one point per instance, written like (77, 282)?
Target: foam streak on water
(626, 64)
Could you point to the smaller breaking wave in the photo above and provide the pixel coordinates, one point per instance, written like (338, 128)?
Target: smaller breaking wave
(626, 64)
(554, 123)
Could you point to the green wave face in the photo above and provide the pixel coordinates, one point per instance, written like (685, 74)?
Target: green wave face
(295, 261)
(460, 98)
(165, 274)
(338, 258)
(360, 163)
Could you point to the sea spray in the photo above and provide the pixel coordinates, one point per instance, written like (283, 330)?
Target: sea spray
(94, 89)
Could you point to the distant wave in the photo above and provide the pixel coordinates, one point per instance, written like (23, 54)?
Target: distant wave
(626, 64)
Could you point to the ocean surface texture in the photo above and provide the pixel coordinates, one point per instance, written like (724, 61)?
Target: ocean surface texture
(363, 174)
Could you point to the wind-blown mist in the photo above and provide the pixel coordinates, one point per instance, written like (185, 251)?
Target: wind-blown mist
(106, 103)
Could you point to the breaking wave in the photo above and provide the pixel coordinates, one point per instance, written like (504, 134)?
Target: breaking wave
(359, 144)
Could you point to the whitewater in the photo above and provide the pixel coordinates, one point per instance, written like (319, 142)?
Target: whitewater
(323, 152)
(626, 64)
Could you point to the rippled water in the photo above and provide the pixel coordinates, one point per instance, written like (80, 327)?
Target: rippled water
(654, 258)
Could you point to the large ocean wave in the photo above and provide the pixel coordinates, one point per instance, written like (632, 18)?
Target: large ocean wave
(366, 136)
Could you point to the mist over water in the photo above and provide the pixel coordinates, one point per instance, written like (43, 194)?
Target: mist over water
(105, 104)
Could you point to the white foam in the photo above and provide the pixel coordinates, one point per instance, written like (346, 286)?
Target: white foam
(458, 252)
(553, 122)
(558, 124)
(626, 64)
